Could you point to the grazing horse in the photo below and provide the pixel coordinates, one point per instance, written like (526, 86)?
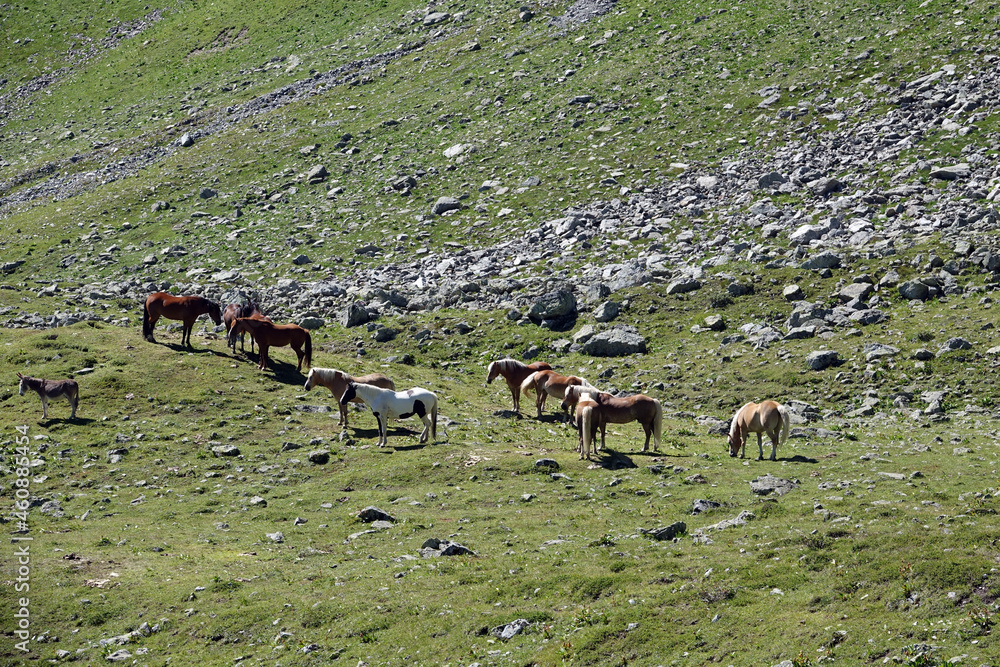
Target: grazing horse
(768, 417)
(587, 422)
(386, 404)
(547, 383)
(236, 310)
(268, 334)
(185, 308)
(337, 381)
(622, 410)
(514, 372)
(47, 389)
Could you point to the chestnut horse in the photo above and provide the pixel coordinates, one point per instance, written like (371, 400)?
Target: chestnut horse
(514, 372)
(768, 417)
(547, 383)
(236, 310)
(622, 410)
(268, 334)
(184, 308)
(337, 381)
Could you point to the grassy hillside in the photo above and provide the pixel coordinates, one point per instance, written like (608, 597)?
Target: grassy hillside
(152, 543)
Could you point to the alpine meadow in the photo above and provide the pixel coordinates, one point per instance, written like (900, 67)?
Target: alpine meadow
(668, 209)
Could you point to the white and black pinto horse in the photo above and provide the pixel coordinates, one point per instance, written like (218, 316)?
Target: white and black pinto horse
(47, 389)
(386, 404)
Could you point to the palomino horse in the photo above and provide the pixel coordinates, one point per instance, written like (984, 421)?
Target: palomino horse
(587, 421)
(622, 410)
(386, 404)
(514, 372)
(237, 310)
(337, 381)
(185, 308)
(547, 383)
(47, 389)
(768, 417)
(268, 334)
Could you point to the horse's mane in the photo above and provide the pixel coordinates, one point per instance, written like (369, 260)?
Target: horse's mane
(734, 425)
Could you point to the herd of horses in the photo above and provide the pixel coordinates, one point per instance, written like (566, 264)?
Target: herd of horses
(587, 408)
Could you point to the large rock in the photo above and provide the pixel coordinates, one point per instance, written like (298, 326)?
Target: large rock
(914, 290)
(768, 484)
(370, 514)
(822, 359)
(823, 260)
(616, 342)
(683, 286)
(553, 306)
(445, 204)
(354, 315)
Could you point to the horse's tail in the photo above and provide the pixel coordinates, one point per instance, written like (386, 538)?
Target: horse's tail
(657, 424)
(585, 424)
(309, 350)
(147, 331)
(786, 423)
(529, 384)
(434, 419)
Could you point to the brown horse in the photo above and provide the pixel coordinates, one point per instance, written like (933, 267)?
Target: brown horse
(184, 308)
(268, 334)
(237, 310)
(547, 383)
(768, 417)
(47, 389)
(337, 381)
(514, 372)
(622, 410)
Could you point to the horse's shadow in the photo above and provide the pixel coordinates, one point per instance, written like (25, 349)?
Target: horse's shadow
(75, 421)
(283, 372)
(798, 458)
(177, 347)
(609, 459)
(404, 434)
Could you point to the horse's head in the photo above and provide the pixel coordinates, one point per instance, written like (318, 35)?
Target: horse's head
(349, 394)
(309, 379)
(492, 371)
(215, 312)
(22, 383)
(735, 442)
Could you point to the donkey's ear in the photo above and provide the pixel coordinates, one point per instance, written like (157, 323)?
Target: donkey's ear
(20, 376)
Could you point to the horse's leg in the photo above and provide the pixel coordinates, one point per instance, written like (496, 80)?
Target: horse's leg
(540, 395)
(774, 441)
(262, 362)
(515, 392)
(300, 354)
(647, 427)
(45, 407)
(760, 445)
(425, 434)
(383, 430)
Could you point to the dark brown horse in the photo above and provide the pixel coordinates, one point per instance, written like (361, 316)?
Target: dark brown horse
(337, 381)
(268, 334)
(236, 310)
(622, 410)
(184, 308)
(514, 372)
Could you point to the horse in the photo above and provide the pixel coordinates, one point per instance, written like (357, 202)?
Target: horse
(587, 422)
(337, 381)
(185, 308)
(237, 310)
(268, 334)
(547, 383)
(622, 410)
(387, 404)
(514, 372)
(767, 417)
(47, 389)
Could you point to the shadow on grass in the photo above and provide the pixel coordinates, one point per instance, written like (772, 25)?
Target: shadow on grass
(75, 421)
(402, 435)
(177, 347)
(282, 371)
